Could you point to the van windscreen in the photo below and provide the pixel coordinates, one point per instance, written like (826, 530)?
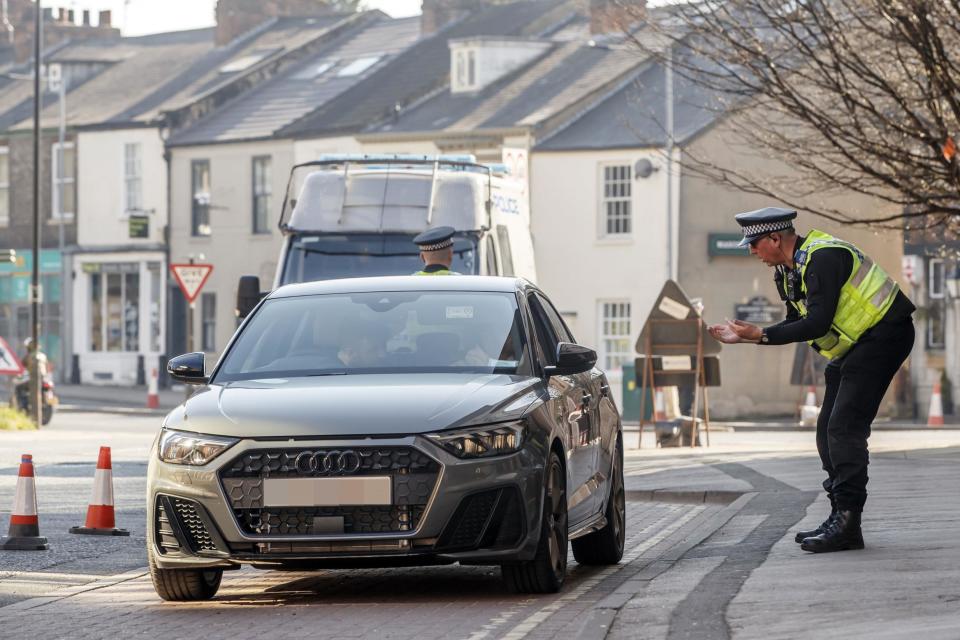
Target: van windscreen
(359, 255)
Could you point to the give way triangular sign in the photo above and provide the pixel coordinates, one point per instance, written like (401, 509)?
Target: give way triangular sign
(9, 362)
(191, 278)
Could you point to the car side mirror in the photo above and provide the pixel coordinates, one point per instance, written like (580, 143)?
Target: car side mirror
(188, 368)
(248, 295)
(572, 358)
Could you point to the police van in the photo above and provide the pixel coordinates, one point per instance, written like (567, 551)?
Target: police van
(348, 216)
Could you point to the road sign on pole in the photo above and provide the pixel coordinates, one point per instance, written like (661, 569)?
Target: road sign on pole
(191, 278)
(10, 364)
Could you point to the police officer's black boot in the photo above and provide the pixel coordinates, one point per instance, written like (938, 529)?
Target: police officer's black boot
(803, 535)
(842, 534)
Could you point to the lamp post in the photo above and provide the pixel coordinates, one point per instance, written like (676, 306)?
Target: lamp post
(36, 386)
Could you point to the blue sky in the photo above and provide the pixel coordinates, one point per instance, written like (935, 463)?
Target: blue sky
(137, 17)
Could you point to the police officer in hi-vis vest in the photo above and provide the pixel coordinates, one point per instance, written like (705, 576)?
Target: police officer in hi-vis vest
(852, 313)
(436, 251)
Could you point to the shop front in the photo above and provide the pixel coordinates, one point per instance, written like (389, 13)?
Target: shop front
(15, 307)
(118, 317)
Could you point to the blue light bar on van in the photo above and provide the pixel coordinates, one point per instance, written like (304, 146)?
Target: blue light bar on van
(396, 157)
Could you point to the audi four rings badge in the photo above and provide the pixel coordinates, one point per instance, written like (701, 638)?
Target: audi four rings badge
(332, 462)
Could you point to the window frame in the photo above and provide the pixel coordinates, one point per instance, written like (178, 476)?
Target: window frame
(5, 189)
(197, 207)
(604, 217)
(934, 266)
(132, 178)
(56, 181)
(260, 193)
(208, 321)
(604, 354)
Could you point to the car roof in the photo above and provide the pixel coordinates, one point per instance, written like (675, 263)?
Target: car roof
(404, 283)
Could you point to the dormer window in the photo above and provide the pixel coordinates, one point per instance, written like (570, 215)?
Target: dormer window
(476, 63)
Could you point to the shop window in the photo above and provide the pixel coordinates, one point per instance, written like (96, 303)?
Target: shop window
(114, 307)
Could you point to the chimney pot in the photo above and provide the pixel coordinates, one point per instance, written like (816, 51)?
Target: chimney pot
(62, 15)
(86, 17)
(105, 18)
(70, 16)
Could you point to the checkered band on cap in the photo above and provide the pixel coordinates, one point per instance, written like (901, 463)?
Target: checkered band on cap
(443, 244)
(766, 227)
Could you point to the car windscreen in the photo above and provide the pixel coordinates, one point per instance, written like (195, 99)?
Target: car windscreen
(380, 332)
(359, 255)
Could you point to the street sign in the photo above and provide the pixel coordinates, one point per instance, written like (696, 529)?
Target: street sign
(191, 278)
(139, 226)
(10, 364)
(758, 311)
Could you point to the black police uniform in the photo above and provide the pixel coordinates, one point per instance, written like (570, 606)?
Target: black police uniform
(855, 382)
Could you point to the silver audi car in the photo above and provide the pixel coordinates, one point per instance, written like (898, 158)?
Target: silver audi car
(389, 422)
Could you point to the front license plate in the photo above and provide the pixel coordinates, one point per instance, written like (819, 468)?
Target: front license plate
(327, 492)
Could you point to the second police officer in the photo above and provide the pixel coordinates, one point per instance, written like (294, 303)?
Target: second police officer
(436, 251)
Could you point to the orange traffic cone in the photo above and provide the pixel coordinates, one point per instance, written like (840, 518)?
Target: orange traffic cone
(100, 517)
(659, 405)
(153, 400)
(935, 415)
(24, 532)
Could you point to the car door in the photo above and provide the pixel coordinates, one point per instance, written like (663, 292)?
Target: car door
(573, 412)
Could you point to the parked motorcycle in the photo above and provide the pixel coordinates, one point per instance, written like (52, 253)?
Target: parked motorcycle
(20, 398)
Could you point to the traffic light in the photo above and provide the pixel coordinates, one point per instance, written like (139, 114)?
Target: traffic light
(8, 255)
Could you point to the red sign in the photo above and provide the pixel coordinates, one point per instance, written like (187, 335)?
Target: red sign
(10, 364)
(191, 278)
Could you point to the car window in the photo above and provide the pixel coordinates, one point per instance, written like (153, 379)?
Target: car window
(380, 332)
(560, 328)
(546, 334)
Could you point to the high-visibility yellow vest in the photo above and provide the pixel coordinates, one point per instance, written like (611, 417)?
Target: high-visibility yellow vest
(440, 272)
(865, 297)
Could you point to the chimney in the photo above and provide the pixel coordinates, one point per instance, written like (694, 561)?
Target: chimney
(435, 14)
(236, 17)
(105, 18)
(61, 15)
(86, 17)
(614, 16)
(70, 16)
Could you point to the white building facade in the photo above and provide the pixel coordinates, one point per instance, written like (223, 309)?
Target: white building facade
(119, 266)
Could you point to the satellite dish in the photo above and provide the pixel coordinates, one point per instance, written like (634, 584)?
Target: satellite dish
(643, 168)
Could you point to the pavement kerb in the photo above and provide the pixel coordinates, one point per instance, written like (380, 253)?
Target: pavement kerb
(67, 592)
(684, 497)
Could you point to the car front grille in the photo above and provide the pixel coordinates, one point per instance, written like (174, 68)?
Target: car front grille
(413, 477)
(183, 526)
(490, 519)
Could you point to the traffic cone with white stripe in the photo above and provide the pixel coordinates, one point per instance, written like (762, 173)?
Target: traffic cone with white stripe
(153, 399)
(100, 517)
(24, 534)
(659, 405)
(935, 415)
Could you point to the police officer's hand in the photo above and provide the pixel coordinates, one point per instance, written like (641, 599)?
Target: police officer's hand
(734, 331)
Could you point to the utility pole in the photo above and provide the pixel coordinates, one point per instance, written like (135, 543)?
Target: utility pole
(61, 90)
(36, 385)
(668, 86)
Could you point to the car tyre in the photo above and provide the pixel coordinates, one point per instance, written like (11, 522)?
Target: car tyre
(180, 585)
(546, 571)
(605, 547)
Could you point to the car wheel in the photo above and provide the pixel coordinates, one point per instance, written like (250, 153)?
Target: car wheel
(546, 571)
(180, 585)
(606, 545)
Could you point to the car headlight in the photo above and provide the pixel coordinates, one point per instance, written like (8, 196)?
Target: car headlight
(482, 442)
(178, 447)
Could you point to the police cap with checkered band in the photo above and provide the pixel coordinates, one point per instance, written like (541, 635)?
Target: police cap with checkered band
(435, 239)
(756, 224)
